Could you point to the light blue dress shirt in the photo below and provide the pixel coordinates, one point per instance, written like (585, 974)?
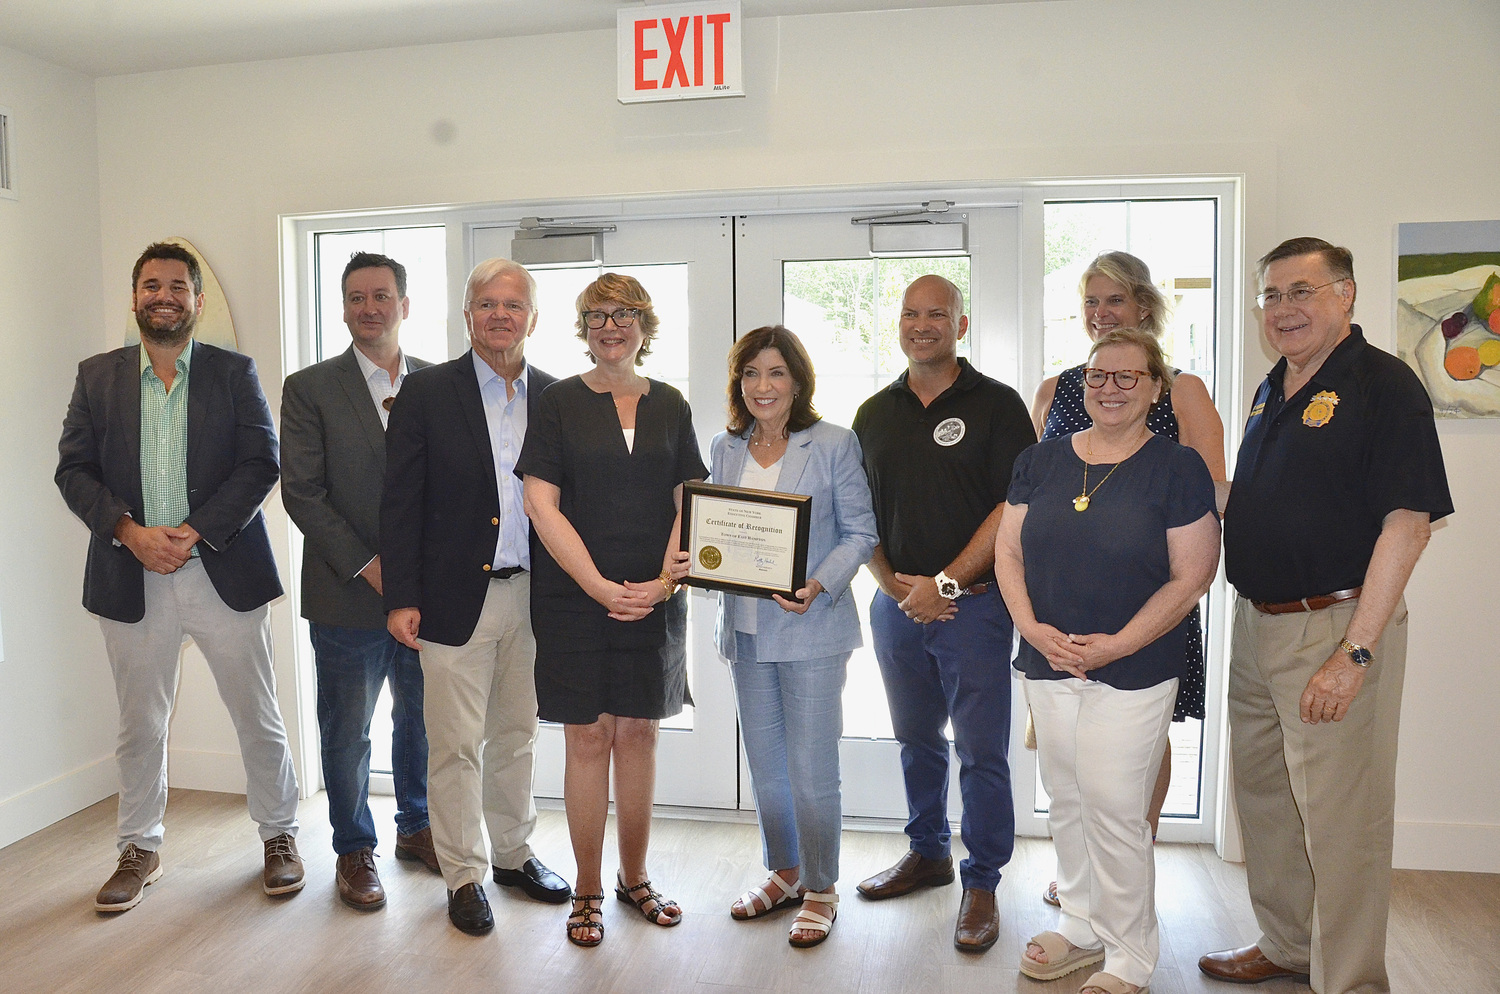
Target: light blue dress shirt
(506, 419)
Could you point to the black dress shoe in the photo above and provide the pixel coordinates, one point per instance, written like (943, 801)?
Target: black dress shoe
(536, 880)
(469, 910)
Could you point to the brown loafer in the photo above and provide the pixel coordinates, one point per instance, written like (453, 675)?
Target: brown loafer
(284, 873)
(359, 884)
(910, 872)
(1246, 965)
(123, 890)
(978, 921)
(418, 848)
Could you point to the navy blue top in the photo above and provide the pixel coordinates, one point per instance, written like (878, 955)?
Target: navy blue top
(1319, 471)
(1092, 571)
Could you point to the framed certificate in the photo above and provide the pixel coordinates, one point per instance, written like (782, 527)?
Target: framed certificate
(745, 541)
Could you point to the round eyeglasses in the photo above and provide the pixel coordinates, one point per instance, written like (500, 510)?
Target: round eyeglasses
(624, 317)
(1125, 379)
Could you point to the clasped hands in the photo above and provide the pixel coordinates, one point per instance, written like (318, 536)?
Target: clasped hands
(160, 549)
(1073, 654)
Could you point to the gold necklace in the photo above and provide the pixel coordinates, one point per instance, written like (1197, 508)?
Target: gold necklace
(1081, 502)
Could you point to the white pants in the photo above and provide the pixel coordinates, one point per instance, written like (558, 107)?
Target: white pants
(146, 659)
(1100, 749)
(480, 710)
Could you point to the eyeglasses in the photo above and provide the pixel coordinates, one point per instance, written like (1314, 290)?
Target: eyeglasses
(1125, 379)
(623, 318)
(1296, 295)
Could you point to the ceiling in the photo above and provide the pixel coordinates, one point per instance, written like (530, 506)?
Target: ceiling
(115, 37)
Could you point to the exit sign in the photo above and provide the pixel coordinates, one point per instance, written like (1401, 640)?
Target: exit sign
(683, 51)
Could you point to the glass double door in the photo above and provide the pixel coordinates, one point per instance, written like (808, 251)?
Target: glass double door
(712, 279)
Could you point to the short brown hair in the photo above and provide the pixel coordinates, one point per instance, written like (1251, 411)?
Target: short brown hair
(798, 363)
(1339, 260)
(626, 290)
(1156, 360)
(172, 251)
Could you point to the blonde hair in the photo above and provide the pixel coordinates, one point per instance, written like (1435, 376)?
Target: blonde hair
(1134, 275)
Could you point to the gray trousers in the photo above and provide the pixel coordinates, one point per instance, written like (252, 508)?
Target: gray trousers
(1317, 802)
(146, 660)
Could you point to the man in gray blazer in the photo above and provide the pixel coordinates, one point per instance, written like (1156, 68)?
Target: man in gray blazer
(167, 452)
(333, 419)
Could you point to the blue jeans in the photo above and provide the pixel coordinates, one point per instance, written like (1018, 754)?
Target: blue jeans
(791, 717)
(352, 664)
(957, 669)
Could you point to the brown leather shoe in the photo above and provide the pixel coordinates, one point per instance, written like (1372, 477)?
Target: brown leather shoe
(283, 873)
(1246, 965)
(418, 847)
(910, 872)
(978, 921)
(359, 884)
(123, 890)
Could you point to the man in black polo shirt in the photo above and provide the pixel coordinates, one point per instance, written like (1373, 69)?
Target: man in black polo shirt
(938, 446)
(1338, 480)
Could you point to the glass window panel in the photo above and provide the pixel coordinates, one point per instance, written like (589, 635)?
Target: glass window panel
(847, 312)
(1178, 241)
(422, 251)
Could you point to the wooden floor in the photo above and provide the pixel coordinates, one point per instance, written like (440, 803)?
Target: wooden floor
(206, 928)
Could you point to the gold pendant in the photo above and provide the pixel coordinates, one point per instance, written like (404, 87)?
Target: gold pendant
(1081, 502)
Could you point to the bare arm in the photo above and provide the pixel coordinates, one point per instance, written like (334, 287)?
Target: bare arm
(1010, 572)
(923, 603)
(1403, 536)
(542, 501)
(1198, 421)
(1041, 405)
(1193, 555)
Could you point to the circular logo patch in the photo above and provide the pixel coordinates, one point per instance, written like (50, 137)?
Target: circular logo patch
(709, 557)
(949, 432)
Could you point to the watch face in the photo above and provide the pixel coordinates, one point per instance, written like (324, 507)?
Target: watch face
(949, 589)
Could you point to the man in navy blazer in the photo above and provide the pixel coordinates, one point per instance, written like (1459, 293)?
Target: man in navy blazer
(166, 454)
(455, 546)
(333, 417)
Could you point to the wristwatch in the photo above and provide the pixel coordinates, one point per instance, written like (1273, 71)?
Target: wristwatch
(947, 586)
(1361, 656)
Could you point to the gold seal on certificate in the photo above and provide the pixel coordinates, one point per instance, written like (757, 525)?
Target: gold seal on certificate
(745, 541)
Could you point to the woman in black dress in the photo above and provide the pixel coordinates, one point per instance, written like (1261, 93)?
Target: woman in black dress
(603, 464)
(1117, 292)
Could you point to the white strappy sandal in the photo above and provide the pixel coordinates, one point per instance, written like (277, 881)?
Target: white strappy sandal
(748, 909)
(811, 921)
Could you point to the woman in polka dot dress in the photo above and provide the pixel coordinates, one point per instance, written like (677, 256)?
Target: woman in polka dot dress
(1118, 293)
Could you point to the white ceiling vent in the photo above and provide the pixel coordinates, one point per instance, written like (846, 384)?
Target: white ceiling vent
(7, 175)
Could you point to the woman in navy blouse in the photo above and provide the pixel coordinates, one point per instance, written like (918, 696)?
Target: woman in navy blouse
(1108, 539)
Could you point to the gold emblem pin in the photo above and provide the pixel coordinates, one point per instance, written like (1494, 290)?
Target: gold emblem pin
(1319, 410)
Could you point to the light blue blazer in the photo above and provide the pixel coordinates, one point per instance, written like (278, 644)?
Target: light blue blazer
(825, 463)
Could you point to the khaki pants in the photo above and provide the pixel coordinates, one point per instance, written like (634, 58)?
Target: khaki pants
(480, 711)
(1317, 802)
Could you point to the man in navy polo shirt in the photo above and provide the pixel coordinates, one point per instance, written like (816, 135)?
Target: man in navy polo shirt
(1338, 480)
(938, 445)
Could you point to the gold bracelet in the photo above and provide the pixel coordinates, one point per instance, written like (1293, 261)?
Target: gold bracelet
(668, 582)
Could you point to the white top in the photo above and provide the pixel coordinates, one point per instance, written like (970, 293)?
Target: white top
(378, 381)
(754, 477)
(629, 440)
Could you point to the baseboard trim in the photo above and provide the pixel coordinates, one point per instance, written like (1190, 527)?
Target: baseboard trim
(45, 804)
(1429, 845)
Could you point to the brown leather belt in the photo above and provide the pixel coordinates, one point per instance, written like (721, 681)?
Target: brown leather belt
(1317, 603)
(977, 588)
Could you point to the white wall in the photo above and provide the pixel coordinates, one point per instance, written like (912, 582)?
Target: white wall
(57, 710)
(1343, 119)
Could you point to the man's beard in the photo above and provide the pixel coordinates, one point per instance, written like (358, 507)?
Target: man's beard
(175, 333)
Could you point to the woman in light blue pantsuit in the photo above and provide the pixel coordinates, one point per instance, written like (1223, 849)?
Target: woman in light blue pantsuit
(789, 657)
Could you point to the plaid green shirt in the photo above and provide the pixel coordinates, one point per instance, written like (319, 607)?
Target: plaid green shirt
(164, 413)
